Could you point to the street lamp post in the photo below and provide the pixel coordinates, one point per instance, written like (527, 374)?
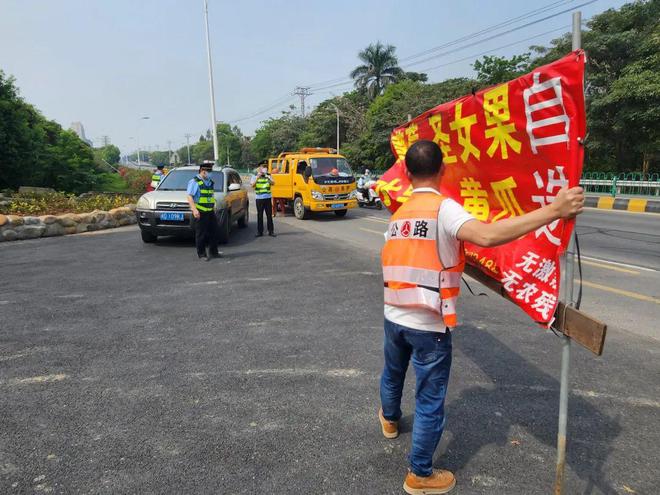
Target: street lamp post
(208, 56)
(138, 137)
(336, 110)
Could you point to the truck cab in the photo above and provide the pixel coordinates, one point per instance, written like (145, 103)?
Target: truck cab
(313, 180)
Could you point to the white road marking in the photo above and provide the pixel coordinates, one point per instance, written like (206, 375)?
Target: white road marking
(371, 231)
(337, 372)
(39, 379)
(607, 210)
(616, 263)
(376, 219)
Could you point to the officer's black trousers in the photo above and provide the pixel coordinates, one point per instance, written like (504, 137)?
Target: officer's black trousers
(265, 206)
(206, 232)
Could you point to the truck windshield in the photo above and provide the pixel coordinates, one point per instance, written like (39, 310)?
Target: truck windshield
(330, 167)
(177, 180)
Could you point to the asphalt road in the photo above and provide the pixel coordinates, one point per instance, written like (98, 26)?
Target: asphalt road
(133, 368)
(620, 260)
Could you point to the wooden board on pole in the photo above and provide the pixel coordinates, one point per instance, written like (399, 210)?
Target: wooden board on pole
(575, 324)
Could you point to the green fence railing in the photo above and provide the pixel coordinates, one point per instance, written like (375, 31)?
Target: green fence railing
(624, 183)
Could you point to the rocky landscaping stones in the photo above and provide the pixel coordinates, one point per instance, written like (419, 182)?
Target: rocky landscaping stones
(15, 227)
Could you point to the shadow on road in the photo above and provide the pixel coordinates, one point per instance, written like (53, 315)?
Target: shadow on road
(524, 397)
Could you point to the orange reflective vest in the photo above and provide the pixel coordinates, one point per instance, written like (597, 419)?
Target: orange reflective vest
(413, 272)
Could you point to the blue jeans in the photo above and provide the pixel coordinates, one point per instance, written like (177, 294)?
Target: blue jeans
(431, 358)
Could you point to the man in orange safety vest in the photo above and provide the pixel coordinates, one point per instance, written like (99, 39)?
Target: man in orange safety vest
(423, 261)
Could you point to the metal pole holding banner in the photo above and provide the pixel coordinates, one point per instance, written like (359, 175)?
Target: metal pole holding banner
(566, 295)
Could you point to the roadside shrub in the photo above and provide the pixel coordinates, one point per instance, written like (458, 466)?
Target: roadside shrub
(55, 203)
(137, 180)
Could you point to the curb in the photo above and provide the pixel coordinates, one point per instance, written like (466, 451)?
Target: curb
(638, 205)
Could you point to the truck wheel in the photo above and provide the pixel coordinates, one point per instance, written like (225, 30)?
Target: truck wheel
(224, 228)
(341, 213)
(243, 221)
(299, 209)
(148, 237)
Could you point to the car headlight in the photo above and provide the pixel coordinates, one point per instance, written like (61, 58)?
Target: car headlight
(353, 194)
(317, 195)
(143, 203)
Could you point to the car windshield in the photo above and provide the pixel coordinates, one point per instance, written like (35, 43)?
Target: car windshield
(330, 167)
(177, 180)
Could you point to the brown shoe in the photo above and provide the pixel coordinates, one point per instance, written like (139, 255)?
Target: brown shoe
(390, 428)
(440, 481)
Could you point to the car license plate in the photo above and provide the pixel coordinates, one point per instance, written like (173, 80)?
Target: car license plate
(171, 216)
(337, 206)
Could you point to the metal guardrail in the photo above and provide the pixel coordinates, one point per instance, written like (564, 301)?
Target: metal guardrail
(632, 183)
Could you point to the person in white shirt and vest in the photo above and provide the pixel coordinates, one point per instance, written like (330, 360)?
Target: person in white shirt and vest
(201, 198)
(261, 184)
(422, 262)
(157, 176)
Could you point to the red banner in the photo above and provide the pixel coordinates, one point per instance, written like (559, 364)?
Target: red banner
(507, 150)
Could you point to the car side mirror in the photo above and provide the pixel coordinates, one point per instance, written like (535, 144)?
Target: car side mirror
(234, 187)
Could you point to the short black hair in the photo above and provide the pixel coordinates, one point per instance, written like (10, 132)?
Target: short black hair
(263, 162)
(424, 159)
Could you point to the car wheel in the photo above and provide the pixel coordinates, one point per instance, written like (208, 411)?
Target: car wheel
(243, 221)
(299, 209)
(148, 237)
(341, 213)
(224, 228)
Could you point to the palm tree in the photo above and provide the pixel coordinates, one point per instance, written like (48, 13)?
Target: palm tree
(380, 69)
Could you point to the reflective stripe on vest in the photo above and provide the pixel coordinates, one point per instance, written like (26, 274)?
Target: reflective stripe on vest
(156, 178)
(262, 186)
(206, 198)
(412, 270)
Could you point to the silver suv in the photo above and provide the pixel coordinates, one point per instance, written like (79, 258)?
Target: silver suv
(165, 211)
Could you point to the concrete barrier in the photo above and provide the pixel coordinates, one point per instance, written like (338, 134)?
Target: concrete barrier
(625, 204)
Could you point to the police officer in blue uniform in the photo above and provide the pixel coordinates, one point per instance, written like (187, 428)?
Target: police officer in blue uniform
(202, 203)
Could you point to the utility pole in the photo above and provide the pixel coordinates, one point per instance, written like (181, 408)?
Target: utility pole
(336, 110)
(169, 151)
(214, 130)
(188, 136)
(303, 93)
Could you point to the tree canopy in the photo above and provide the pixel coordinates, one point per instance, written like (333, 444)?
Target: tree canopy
(35, 151)
(380, 68)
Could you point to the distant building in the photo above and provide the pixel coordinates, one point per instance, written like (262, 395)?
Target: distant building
(78, 128)
(174, 158)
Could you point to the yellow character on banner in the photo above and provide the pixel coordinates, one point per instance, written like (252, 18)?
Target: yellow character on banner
(406, 195)
(462, 126)
(384, 188)
(476, 198)
(399, 143)
(496, 110)
(441, 138)
(503, 190)
(412, 135)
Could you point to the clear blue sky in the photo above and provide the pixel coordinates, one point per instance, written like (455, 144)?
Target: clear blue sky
(106, 63)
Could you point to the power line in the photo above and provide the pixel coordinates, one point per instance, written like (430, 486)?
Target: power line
(502, 33)
(502, 24)
(478, 42)
(477, 55)
(339, 82)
